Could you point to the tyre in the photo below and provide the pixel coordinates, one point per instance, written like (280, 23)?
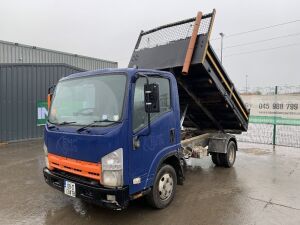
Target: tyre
(228, 159)
(216, 158)
(164, 187)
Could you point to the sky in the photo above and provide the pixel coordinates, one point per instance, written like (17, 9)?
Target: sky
(109, 30)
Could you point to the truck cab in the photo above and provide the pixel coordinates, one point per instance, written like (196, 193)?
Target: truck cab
(110, 132)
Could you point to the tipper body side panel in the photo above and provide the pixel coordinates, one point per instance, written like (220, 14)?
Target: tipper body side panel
(206, 92)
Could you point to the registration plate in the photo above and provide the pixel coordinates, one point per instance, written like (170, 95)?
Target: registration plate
(69, 188)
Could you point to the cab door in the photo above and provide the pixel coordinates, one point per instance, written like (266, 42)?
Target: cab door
(149, 145)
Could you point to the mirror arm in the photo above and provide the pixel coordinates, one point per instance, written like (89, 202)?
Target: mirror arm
(143, 75)
(149, 118)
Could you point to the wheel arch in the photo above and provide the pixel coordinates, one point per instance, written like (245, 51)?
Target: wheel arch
(218, 143)
(173, 159)
(234, 140)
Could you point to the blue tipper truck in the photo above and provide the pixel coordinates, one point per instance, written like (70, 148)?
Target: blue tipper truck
(114, 135)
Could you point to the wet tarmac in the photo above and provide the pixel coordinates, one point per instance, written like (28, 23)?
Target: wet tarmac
(262, 188)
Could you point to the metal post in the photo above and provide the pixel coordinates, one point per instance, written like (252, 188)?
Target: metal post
(274, 126)
(222, 36)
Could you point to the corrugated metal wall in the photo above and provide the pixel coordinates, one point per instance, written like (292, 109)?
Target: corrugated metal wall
(19, 53)
(21, 86)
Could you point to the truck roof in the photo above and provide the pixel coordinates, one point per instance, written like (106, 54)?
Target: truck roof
(129, 71)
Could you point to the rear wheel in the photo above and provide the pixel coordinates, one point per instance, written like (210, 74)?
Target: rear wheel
(228, 159)
(216, 158)
(164, 187)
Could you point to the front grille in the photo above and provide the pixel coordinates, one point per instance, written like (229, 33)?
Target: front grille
(76, 178)
(81, 168)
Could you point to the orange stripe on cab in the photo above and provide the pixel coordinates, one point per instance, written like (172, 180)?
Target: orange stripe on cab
(82, 168)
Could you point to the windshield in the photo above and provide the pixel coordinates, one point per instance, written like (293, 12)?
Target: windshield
(82, 101)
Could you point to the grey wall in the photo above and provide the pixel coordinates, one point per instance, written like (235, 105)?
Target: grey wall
(21, 86)
(19, 53)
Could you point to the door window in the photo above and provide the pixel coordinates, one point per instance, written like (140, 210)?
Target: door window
(140, 118)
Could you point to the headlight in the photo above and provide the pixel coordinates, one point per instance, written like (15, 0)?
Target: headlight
(112, 169)
(46, 155)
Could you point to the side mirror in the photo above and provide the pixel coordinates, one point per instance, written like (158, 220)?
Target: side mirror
(49, 96)
(151, 95)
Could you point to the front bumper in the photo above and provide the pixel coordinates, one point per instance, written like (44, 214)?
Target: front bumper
(92, 193)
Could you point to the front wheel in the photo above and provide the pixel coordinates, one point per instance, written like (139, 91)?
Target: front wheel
(164, 187)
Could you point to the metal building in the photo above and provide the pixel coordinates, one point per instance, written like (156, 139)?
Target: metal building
(26, 73)
(22, 86)
(19, 53)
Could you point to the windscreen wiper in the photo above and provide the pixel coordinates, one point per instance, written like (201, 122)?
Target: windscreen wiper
(66, 122)
(52, 125)
(94, 122)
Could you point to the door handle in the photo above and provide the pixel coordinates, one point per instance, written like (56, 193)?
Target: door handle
(172, 135)
(136, 143)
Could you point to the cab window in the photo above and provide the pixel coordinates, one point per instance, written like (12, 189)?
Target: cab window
(140, 118)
